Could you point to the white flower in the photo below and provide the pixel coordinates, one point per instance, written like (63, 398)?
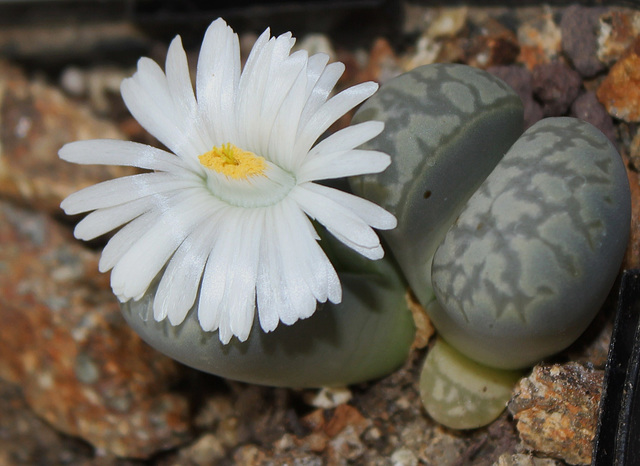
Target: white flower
(223, 216)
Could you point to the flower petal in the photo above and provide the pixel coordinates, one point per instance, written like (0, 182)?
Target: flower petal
(348, 138)
(181, 279)
(121, 190)
(124, 153)
(300, 250)
(253, 81)
(284, 72)
(282, 295)
(122, 241)
(315, 68)
(135, 270)
(179, 81)
(227, 297)
(320, 92)
(330, 111)
(217, 77)
(240, 295)
(368, 211)
(102, 221)
(285, 125)
(148, 98)
(342, 164)
(343, 223)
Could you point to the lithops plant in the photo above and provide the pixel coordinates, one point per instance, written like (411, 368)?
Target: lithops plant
(460, 393)
(446, 126)
(511, 266)
(366, 336)
(530, 251)
(532, 257)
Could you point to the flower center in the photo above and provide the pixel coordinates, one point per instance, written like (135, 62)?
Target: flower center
(233, 162)
(243, 179)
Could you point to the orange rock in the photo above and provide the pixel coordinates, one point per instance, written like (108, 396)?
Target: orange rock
(540, 40)
(556, 409)
(620, 90)
(383, 63)
(36, 121)
(617, 30)
(497, 45)
(343, 416)
(63, 340)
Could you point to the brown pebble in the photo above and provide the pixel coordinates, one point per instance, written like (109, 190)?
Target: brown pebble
(588, 108)
(520, 80)
(556, 409)
(579, 40)
(556, 86)
(497, 45)
(37, 120)
(343, 416)
(64, 341)
(617, 29)
(620, 90)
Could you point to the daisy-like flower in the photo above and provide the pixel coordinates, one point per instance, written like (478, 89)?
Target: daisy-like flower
(225, 217)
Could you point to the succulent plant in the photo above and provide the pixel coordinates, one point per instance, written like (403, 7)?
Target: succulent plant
(520, 250)
(366, 336)
(531, 259)
(446, 128)
(460, 393)
(511, 256)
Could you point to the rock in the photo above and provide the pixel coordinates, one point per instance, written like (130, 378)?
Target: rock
(312, 43)
(556, 86)
(346, 445)
(539, 39)
(100, 84)
(521, 459)
(382, 65)
(27, 439)
(556, 409)
(519, 78)
(617, 29)
(249, 455)
(588, 108)
(620, 90)
(438, 33)
(36, 120)
(404, 457)
(328, 397)
(496, 45)
(443, 449)
(340, 434)
(448, 23)
(345, 416)
(632, 257)
(205, 451)
(579, 40)
(426, 52)
(63, 339)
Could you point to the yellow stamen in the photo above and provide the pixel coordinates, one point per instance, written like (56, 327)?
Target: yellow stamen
(233, 162)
